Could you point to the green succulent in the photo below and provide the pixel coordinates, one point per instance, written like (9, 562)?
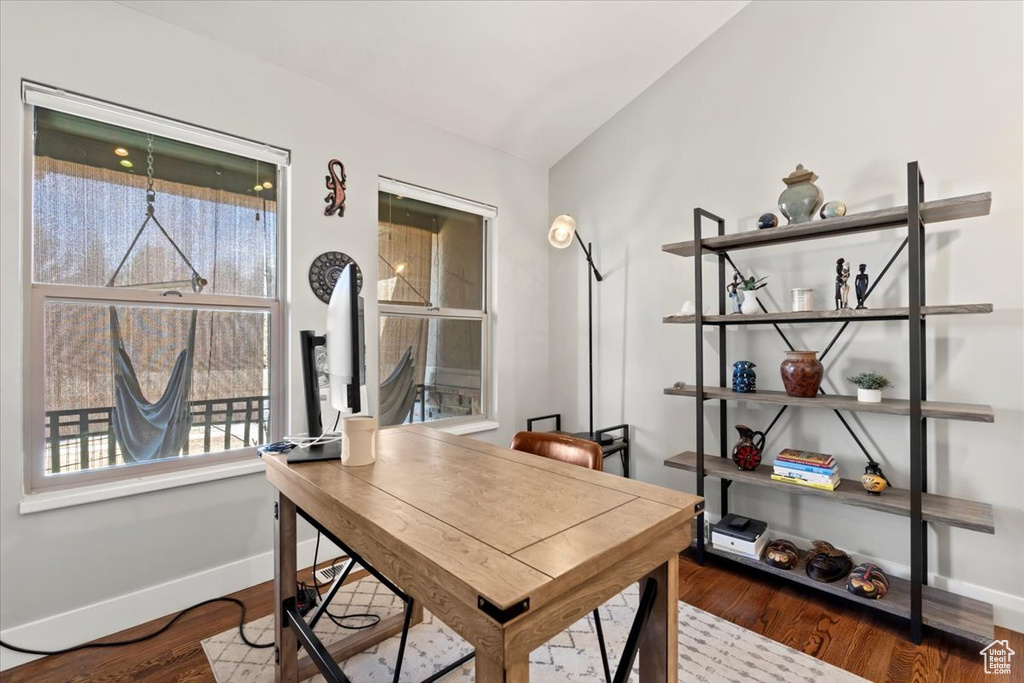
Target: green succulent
(870, 380)
(751, 285)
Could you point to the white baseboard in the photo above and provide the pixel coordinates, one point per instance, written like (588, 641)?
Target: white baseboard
(116, 614)
(1008, 610)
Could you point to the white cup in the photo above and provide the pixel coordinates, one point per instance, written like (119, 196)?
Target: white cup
(358, 441)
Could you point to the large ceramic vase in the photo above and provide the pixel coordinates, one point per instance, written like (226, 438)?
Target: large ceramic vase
(801, 198)
(802, 373)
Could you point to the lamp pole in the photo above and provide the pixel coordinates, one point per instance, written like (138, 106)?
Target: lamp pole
(592, 274)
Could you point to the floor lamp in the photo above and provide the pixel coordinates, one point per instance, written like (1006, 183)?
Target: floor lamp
(561, 234)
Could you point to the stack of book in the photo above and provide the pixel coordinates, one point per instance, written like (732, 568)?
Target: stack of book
(804, 468)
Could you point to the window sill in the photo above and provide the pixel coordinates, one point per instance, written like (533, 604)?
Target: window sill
(53, 500)
(471, 427)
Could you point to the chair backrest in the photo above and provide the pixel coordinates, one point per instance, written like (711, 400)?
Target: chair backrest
(560, 447)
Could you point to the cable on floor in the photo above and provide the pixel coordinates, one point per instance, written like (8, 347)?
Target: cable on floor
(154, 634)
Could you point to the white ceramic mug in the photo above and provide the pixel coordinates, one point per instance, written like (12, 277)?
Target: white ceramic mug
(358, 441)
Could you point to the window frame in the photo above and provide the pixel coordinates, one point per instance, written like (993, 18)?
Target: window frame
(37, 295)
(488, 381)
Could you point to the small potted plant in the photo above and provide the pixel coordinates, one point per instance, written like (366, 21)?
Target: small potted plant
(748, 287)
(869, 386)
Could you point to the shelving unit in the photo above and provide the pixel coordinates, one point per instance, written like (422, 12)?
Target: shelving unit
(942, 610)
(912, 599)
(888, 406)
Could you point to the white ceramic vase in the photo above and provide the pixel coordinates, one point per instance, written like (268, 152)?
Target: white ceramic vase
(749, 305)
(869, 395)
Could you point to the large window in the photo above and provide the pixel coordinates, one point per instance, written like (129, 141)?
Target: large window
(154, 318)
(432, 294)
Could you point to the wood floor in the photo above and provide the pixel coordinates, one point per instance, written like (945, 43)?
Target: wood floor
(864, 642)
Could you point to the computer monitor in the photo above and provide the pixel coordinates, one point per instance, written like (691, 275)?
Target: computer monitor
(346, 366)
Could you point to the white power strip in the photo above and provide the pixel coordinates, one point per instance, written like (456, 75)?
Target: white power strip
(328, 574)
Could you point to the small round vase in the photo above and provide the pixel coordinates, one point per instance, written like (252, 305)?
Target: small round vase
(801, 198)
(749, 305)
(801, 373)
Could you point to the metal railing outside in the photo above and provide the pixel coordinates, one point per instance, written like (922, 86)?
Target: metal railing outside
(82, 439)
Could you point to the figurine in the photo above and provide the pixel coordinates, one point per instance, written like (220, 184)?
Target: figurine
(767, 220)
(734, 293)
(861, 285)
(842, 283)
(744, 379)
(747, 452)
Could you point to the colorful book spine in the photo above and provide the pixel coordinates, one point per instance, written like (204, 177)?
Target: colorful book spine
(799, 466)
(806, 476)
(801, 482)
(806, 457)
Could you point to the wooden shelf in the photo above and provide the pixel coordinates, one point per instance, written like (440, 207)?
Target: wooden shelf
(888, 406)
(937, 211)
(941, 609)
(843, 315)
(952, 511)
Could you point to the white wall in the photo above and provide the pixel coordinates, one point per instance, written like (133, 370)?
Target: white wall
(57, 561)
(853, 91)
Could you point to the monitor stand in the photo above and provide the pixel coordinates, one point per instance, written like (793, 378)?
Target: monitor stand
(308, 341)
(324, 451)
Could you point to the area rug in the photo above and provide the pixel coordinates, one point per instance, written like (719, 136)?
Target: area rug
(711, 650)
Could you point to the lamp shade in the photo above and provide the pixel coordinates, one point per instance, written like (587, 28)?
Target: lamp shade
(562, 230)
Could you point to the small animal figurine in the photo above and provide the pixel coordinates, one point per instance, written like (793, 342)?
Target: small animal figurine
(747, 451)
(744, 379)
(336, 184)
(873, 481)
(868, 581)
(861, 285)
(767, 220)
(782, 554)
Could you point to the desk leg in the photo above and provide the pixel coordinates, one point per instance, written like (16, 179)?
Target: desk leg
(510, 670)
(285, 574)
(659, 643)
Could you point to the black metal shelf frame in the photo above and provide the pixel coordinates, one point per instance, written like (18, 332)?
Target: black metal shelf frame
(918, 380)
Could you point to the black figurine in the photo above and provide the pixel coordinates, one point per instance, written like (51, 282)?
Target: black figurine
(842, 284)
(862, 285)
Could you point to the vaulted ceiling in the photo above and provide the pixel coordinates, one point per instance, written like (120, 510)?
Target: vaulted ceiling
(532, 79)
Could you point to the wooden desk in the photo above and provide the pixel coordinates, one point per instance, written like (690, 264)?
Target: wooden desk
(506, 548)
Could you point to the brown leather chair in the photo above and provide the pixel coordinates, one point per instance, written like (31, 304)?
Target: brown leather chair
(560, 447)
(575, 452)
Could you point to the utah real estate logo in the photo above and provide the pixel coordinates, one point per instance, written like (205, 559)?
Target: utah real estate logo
(997, 657)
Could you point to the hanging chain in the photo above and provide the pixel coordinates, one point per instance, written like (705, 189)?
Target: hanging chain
(150, 193)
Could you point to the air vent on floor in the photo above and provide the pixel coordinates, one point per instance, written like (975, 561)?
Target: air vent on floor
(328, 574)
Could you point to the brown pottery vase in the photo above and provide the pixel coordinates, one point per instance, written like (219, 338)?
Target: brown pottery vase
(802, 373)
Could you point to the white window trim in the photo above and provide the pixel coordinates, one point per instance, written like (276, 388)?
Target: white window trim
(488, 419)
(94, 493)
(106, 483)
